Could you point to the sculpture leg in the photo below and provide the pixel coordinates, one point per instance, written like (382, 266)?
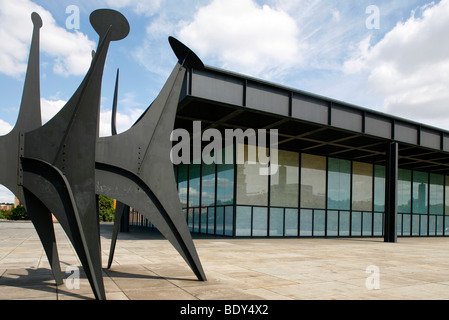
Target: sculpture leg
(120, 210)
(43, 223)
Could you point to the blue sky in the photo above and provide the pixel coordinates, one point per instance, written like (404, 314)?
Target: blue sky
(325, 47)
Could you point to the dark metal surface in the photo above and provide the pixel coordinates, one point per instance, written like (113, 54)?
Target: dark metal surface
(134, 167)
(61, 167)
(391, 194)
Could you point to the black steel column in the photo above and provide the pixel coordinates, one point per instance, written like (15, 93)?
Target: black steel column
(391, 194)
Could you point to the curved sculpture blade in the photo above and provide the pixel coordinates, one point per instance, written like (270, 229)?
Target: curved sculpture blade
(29, 119)
(64, 151)
(134, 167)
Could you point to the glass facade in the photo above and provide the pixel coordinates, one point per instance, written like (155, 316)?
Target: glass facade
(308, 196)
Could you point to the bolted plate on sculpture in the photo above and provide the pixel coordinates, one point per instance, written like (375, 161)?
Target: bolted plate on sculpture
(102, 19)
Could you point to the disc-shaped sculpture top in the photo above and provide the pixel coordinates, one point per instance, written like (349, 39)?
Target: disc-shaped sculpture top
(185, 55)
(37, 21)
(102, 19)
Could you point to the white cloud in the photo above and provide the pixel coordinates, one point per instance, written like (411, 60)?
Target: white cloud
(6, 196)
(245, 37)
(410, 65)
(5, 127)
(70, 51)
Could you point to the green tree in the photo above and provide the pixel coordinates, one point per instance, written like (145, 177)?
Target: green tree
(106, 208)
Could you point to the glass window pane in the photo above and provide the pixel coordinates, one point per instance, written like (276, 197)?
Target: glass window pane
(332, 223)
(183, 184)
(194, 185)
(305, 224)
(436, 194)
(219, 220)
(190, 219)
(285, 182)
(446, 200)
(420, 184)
(339, 184)
(432, 225)
(399, 225)
(313, 182)
(319, 223)
(344, 224)
(415, 224)
(291, 222)
(379, 188)
(196, 219)
(367, 224)
(229, 221)
(404, 190)
(446, 226)
(211, 220)
(243, 222)
(406, 225)
(439, 225)
(225, 179)
(362, 186)
(356, 224)
(203, 220)
(260, 222)
(424, 222)
(208, 185)
(276, 222)
(378, 224)
(252, 187)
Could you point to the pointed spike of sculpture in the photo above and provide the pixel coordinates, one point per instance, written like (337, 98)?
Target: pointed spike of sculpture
(186, 56)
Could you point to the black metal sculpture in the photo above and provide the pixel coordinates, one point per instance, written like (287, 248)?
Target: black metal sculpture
(60, 167)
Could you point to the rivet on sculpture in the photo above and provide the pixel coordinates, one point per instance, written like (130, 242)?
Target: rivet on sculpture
(62, 166)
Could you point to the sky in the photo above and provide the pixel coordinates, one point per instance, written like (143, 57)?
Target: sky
(390, 56)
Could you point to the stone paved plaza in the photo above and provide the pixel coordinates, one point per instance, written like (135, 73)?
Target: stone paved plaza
(147, 267)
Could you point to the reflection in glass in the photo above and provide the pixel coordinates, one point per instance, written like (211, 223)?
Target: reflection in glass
(332, 223)
(356, 224)
(344, 223)
(406, 225)
(420, 185)
(313, 182)
(276, 222)
(194, 185)
(305, 224)
(225, 180)
(378, 224)
(219, 220)
(399, 225)
(319, 223)
(432, 225)
(291, 222)
(379, 188)
(196, 219)
(252, 187)
(243, 221)
(339, 184)
(439, 225)
(208, 185)
(436, 194)
(284, 184)
(211, 220)
(404, 190)
(260, 221)
(203, 215)
(424, 222)
(183, 184)
(415, 224)
(367, 224)
(362, 186)
(229, 220)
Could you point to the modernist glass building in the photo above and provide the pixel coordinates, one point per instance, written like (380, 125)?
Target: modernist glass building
(344, 171)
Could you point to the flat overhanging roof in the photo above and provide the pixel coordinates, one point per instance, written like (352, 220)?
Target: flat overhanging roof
(308, 123)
